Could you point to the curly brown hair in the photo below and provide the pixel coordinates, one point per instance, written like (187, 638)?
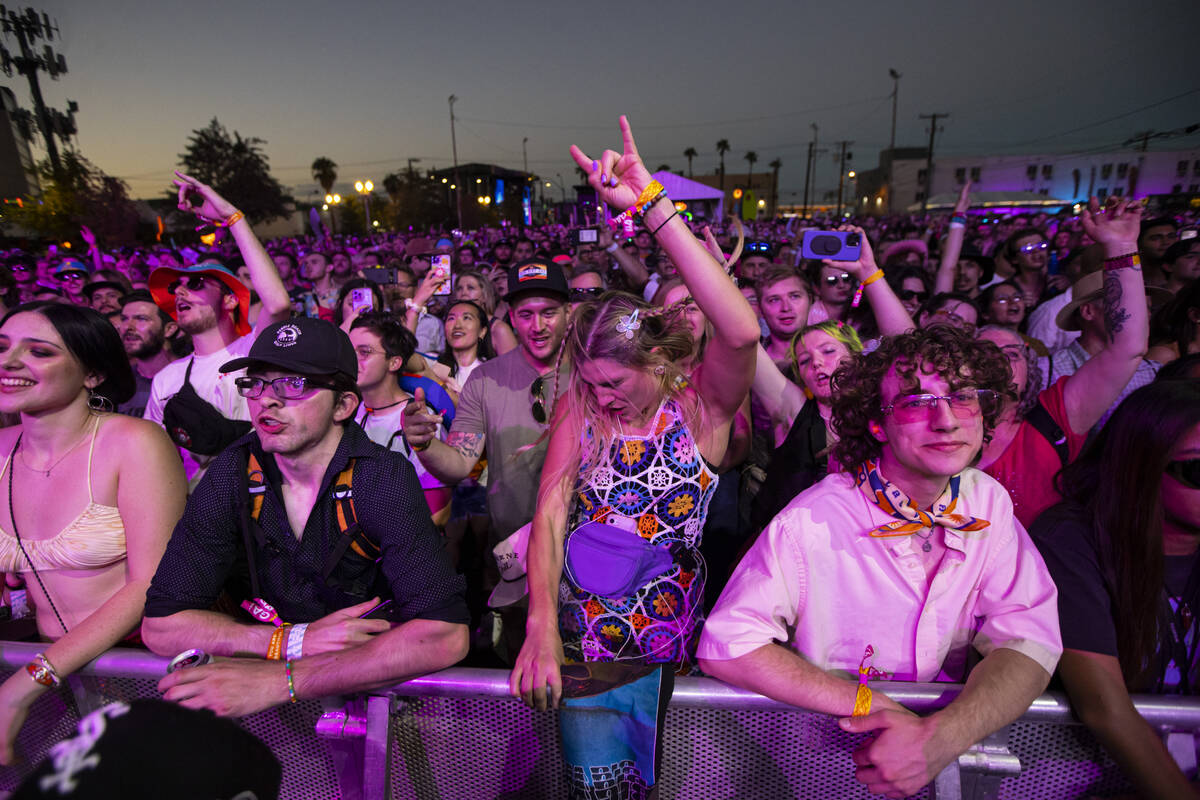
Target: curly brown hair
(857, 384)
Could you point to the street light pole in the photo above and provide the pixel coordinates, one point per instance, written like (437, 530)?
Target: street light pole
(562, 185)
(892, 141)
(525, 155)
(454, 149)
(933, 118)
(365, 188)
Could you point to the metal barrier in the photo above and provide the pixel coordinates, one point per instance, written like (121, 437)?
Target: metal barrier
(458, 734)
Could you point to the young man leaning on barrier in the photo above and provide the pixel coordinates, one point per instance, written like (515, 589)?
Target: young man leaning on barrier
(307, 524)
(900, 566)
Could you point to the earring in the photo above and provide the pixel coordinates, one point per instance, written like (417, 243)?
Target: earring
(99, 403)
(660, 370)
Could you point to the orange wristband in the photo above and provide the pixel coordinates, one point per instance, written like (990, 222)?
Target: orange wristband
(874, 276)
(862, 701)
(276, 645)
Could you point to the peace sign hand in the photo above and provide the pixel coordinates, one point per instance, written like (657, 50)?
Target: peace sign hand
(214, 208)
(618, 178)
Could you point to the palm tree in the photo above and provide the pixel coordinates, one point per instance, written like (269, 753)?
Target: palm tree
(750, 157)
(324, 172)
(663, 168)
(689, 154)
(393, 184)
(775, 165)
(722, 149)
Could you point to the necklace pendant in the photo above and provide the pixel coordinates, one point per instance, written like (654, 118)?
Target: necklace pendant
(926, 546)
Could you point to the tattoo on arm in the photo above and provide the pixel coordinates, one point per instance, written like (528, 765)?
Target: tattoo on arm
(469, 445)
(1115, 314)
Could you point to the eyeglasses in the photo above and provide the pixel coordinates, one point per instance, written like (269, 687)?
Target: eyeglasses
(909, 294)
(845, 278)
(1186, 472)
(1033, 247)
(366, 352)
(538, 409)
(71, 276)
(20, 268)
(758, 247)
(964, 404)
(580, 295)
(194, 283)
(1015, 300)
(289, 387)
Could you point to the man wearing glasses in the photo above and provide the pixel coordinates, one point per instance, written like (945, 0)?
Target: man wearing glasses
(1029, 254)
(307, 577)
(211, 305)
(72, 274)
(902, 564)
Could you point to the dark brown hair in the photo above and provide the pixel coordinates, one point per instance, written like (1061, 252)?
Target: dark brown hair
(857, 384)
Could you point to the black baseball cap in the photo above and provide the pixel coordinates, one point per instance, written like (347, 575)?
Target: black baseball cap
(303, 344)
(536, 275)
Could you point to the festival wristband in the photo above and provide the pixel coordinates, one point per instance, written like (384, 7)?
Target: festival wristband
(1127, 261)
(652, 190)
(262, 611)
(295, 641)
(275, 647)
(874, 276)
(43, 672)
(287, 671)
(230, 221)
(612, 248)
(862, 701)
(958, 219)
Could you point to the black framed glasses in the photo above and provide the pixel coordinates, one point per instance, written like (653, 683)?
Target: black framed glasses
(964, 404)
(288, 387)
(1186, 472)
(194, 283)
(909, 294)
(538, 409)
(845, 278)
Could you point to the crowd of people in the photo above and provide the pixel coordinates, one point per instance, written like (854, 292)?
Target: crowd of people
(961, 450)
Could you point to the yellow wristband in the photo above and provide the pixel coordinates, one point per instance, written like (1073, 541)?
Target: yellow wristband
(652, 189)
(233, 220)
(862, 701)
(874, 276)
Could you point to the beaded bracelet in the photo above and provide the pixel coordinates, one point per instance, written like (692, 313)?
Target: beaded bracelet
(639, 208)
(287, 671)
(1127, 261)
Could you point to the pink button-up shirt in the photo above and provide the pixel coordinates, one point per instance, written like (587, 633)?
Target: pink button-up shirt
(816, 582)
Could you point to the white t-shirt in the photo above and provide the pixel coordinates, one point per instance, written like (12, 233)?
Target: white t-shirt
(210, 383)
(384, 428)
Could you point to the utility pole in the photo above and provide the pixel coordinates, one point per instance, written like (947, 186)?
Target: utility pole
(892, 141)
(454, 150)
(842, 174)
(525, 155)
(411, 174)
(808, 169)
(933, 118)
(28, 27)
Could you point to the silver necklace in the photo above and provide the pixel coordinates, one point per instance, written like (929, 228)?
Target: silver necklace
(46, 472)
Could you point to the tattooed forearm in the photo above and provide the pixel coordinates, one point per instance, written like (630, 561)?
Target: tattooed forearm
(470, 445)
(1115, 313)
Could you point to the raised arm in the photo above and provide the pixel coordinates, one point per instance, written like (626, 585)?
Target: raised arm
(1099, 381)
(536, 678)
(889, 312)
(633, 268)
(93, 249)
(952, 247)
(779, 397)
(264, 276)
(619, 179)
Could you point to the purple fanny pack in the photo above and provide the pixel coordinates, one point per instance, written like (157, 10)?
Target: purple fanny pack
(612, 562)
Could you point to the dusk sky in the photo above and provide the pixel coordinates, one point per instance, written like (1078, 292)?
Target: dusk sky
(366, 83)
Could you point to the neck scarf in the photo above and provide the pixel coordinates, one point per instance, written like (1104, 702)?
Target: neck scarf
(909, 518)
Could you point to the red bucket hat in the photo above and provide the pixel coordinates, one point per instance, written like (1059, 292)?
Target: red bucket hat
(163, 277)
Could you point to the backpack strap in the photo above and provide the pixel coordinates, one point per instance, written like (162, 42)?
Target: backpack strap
(251, 507)
(1044, 424)
(353, 536)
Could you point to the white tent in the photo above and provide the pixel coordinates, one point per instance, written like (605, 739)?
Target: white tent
(942, 202)
(703, 201)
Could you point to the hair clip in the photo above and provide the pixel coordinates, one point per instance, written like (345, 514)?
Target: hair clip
(627, 325)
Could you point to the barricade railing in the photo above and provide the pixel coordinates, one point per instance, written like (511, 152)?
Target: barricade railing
(458, 734)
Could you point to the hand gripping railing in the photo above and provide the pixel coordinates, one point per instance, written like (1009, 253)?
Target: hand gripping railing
(366, 720)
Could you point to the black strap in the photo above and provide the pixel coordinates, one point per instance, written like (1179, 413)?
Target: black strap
(252, 534)
(1044, 424)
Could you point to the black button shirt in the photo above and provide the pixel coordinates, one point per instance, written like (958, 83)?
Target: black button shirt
(206, 552)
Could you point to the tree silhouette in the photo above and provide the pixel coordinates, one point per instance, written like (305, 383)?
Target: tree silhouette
(324, 172)
(751, 157)
(689, 154)
(663, 168)
(237, 168)
(775, 165)
(722, 149)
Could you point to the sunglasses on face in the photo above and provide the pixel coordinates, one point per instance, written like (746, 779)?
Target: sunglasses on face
(289, 387)
(580, 295)
(845, 278)
(193, 283)
(964, 404)
(1186, 472)
(71, 276)
(1015, 300)
(758, 247)
(538, 409)
(909, 294)
(21, 268)
(1033, 247)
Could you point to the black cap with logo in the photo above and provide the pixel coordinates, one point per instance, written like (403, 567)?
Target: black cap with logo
(537, 275)
(303, 345)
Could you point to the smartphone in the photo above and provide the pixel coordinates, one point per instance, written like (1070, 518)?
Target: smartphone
(832, 245)
(440, 267)
(378, 612)
(584, 236)
(380, 275)
(362, 300)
